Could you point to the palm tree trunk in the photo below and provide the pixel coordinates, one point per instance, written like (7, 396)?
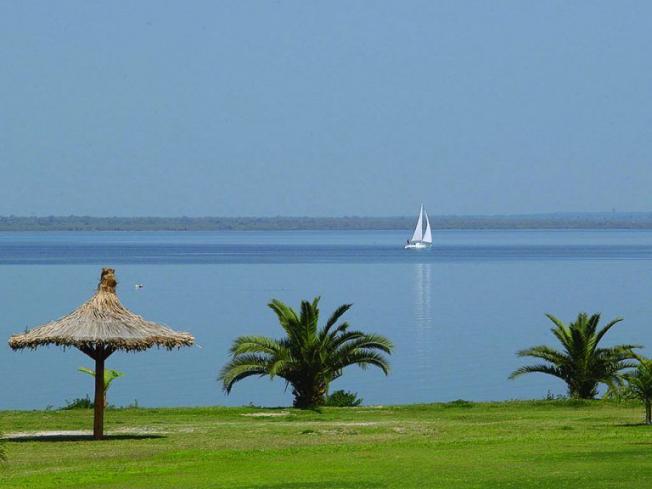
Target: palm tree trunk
(309, 396)
(648, 411)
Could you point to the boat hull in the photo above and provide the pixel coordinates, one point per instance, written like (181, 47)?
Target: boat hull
(417, 246)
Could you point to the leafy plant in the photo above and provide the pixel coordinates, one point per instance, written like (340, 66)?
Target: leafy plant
(109, 376)
(639, 385)
(581, 363)
(342, 398)
(307, 358)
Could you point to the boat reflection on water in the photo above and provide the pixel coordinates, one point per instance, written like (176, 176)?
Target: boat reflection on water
(423, 315)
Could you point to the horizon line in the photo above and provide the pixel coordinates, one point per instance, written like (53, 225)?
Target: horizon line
(280, 216)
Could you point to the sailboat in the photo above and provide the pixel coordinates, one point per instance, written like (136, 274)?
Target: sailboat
(420, 238)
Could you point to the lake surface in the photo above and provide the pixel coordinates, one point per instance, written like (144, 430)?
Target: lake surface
(457, 313)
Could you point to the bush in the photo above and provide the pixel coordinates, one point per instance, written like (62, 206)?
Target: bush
(133, 405)
(554, 397)
(459, 403)
(343, 398)
(79, 403)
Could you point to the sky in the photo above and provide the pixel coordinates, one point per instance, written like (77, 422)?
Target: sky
(329, 108)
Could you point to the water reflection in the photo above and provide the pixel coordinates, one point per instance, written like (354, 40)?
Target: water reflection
(423, 316)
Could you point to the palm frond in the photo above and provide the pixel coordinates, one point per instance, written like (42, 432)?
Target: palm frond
(561, 332)
(591, 324)
(544, 352)
(256, 344)
(278, 366)
(625, 349)
(338, 332)
(337, 314)
(309, 318)
(340, 336)
(366, 341)
(287, 318)
(362, 358)
(241, 367)
(541, 368)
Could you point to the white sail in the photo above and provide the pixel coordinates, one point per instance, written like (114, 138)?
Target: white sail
(418, 231)
(427, 236)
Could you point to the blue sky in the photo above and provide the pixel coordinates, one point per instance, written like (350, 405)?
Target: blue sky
(324, 108)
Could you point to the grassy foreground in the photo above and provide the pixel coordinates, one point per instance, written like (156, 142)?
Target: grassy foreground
(542, 444)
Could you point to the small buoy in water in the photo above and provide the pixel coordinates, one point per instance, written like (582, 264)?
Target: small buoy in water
(139, 286)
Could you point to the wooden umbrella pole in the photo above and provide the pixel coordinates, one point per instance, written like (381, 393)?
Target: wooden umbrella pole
(98, 421)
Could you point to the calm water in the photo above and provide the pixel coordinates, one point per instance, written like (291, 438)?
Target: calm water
(457, 313)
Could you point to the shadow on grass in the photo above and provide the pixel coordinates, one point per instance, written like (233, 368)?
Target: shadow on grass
(64, 438)
(634, 425)
(319, 485)
(314, 409)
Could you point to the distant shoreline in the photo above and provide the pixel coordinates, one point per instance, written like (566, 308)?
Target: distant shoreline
(639, 220)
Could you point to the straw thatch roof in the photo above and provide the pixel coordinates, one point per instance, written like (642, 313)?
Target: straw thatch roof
(102, 322)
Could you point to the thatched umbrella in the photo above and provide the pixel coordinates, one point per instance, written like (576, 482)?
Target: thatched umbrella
(98, 328)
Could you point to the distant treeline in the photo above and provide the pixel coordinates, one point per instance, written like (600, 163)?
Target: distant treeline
(534, 221)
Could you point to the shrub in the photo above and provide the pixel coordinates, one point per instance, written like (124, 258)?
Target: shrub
(133, 405)
(459, 403)
(554, 397)
(341, 398)
(79, 403)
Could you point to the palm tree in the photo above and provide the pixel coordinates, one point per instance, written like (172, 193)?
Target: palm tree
(308, 358)
(639, 385)
(581, 363)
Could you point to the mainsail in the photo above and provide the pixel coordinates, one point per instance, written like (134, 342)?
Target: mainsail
(418, 231)
(427, 236)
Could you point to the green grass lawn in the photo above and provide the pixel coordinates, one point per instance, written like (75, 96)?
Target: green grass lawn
(543, 444)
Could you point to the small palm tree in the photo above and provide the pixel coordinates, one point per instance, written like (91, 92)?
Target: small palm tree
(581, 363)
(308, 358)
(639, 385)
